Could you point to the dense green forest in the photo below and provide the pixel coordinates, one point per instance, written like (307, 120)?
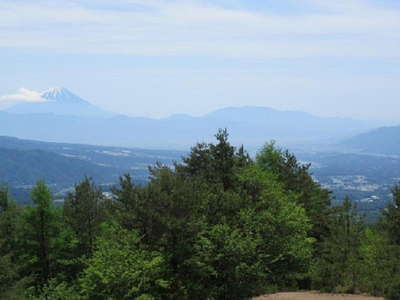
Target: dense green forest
(218, 225)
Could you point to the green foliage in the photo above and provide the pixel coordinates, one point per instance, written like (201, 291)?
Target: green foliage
(4, 198)
(282, 223)
(394, 292)
(40, 229)
(227, 262)
(8, 273)
(227, 227)
(390, 224)
(337, 268)
(265, 245)
(217, 226)
(9, 213)
(379, 263)
(121, 268)
(55, 291)
(11, 283)
(391, 217)
(296, 178)
(84, 212)
(215, 163)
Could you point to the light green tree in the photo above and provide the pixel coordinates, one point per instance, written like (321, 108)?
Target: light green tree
(121, 268)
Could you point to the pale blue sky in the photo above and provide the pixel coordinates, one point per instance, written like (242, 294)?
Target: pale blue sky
(158, 57)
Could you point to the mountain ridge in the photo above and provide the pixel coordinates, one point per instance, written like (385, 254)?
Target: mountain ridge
(382, 140)
(252, 126)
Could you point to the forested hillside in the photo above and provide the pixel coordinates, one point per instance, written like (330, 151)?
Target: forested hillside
(218, 225)
(62, 165)
(20, 167)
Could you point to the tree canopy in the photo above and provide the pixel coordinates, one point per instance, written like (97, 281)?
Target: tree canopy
(217, 225)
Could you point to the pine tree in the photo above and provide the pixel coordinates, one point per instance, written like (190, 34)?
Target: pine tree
(215, 163)
(84, 212)
(391, 217)
(9, 221)
(338, 265)
(39, 234)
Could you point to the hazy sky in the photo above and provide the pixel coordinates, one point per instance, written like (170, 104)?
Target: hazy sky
(159, 57)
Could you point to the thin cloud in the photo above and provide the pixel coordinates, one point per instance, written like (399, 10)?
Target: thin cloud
(201, 28)
(23, 95)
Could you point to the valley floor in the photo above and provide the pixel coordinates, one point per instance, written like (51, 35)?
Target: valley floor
(314, 296)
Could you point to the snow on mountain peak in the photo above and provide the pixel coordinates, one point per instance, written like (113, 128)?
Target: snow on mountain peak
(60, 94)
(57, 101)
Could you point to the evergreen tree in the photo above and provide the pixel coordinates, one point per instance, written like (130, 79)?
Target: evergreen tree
(10, 280)
(379, 265)
(337, 268)
(215, 163)
(390, 226)
(84, 212)
(40, 230)
(9, 214)
(391, 217)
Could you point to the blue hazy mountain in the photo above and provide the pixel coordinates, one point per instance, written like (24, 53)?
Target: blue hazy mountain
(66, 117)
(59, 101)
(383, 140)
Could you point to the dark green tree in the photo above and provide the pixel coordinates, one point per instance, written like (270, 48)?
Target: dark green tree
(216, 163)
(390, 226)
(130, 205)
(11, 282)
(84, 210)
(337, 268)
(9, 214)
(379, 265)
(391, 217)
(41, 227)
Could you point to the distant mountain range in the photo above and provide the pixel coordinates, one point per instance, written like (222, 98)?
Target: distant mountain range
(65, 117)
(384, 140)
(61, 165)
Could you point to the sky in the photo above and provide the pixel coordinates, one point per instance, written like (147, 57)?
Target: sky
(155, 58)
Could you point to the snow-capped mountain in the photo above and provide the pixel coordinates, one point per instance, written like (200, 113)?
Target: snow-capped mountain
(61, 95)
(59, 101)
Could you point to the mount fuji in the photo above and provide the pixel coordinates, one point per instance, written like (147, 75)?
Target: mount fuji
(59, 101)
